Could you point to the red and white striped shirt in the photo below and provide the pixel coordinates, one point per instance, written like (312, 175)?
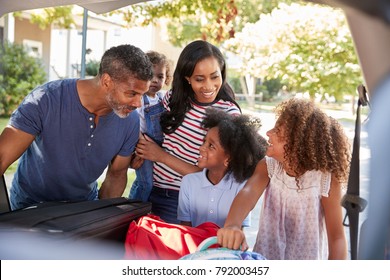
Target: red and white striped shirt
(185, 141)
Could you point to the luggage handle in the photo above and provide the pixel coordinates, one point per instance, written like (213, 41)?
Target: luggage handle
(207, 243)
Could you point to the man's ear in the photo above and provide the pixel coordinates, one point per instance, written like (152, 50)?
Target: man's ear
(106, 81)
(226, 162)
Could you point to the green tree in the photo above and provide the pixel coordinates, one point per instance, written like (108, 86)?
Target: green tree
(187, 20)
(19, 74)
(61, 16)
(308, 47)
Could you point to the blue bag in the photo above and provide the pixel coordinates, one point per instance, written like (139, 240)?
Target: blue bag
(204, 253)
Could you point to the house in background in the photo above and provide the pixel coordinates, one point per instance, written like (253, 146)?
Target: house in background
(61, 49)
(21, 31)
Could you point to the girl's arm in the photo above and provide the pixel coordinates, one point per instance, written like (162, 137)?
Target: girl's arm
(337, 242)
(231, 235)
(148, 149)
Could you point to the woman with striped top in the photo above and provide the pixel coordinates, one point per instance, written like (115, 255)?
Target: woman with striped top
(199, 82)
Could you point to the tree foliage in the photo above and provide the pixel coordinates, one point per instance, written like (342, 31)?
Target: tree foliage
(213, 20)
(19, 74)
(61, 16)
(186, 20)
(305, 46)
(308, 46)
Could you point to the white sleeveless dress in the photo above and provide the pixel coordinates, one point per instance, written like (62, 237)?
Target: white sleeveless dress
(292, 223)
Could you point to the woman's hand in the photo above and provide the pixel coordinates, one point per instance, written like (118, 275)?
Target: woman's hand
(148, 149)
(232, 237)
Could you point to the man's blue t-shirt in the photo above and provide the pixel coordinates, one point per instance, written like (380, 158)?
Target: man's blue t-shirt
(69, 152)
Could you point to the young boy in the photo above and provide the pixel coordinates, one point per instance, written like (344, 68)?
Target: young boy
(149, 115)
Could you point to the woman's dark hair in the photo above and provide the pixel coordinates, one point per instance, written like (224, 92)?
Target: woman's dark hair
(182, 92)
(239, 137)
(121, 61)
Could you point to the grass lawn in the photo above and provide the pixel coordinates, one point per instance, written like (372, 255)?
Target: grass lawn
(3, 124)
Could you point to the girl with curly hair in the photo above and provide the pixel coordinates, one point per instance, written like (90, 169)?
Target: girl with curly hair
(306, 163)
(230, 151)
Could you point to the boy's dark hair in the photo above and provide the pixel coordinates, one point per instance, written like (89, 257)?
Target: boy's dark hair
(124, 60)
(240, 139)
(182, 93)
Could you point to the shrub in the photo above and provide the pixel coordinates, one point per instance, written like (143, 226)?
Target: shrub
(92, 67)
(19, 74)
(270, 89)
(233, 78)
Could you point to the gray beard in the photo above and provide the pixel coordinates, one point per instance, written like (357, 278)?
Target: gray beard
(118, 109)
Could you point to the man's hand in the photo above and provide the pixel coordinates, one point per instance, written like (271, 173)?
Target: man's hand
(136, 161)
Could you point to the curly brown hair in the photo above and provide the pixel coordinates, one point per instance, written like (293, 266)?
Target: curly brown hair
(314, 140)
(157, 58)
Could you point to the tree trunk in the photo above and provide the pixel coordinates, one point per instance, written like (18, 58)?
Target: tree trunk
(248, 85)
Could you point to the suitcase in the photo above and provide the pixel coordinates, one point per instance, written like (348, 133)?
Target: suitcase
(5, 205)
(73, 228)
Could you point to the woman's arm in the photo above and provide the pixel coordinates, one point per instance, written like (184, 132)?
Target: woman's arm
(148, 149)
(231, 235)
(337, 242)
